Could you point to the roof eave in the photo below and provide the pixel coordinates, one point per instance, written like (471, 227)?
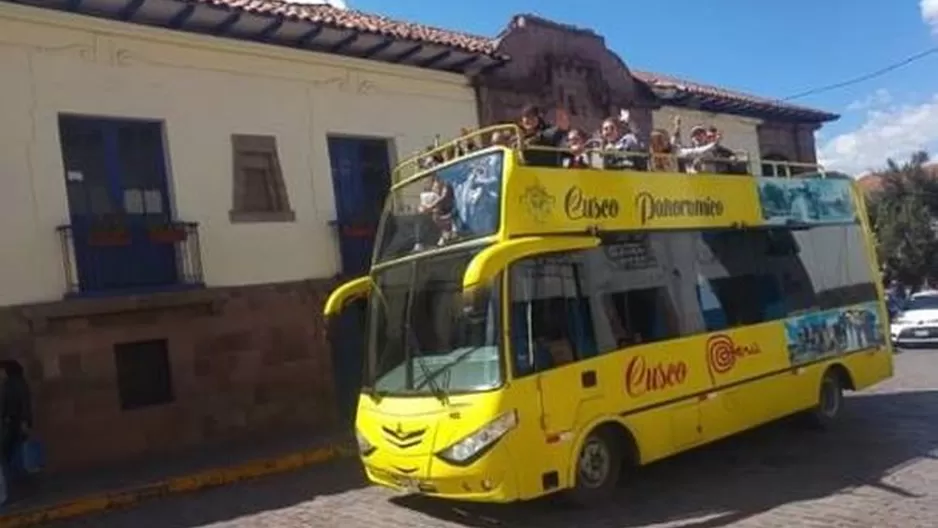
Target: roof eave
(285, 31)
(680, 95)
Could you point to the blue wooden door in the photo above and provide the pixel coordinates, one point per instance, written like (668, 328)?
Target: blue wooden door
(361, 177)
(116, 182)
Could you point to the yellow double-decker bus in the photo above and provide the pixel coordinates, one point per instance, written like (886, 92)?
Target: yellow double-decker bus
(536, 329)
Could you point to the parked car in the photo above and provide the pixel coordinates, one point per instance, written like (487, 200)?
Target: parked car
(916, 324)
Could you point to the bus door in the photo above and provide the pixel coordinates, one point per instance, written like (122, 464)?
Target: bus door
(552, 334)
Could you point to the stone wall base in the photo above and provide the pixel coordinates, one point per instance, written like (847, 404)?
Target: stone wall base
(241, 361)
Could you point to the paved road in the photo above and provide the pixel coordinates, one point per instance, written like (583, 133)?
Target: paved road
(879, 469)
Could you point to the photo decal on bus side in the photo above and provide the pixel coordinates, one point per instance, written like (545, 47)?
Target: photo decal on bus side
(723, 354)
(642, 377)
(822, 334)
(806, 200)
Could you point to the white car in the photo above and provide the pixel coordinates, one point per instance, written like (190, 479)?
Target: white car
(917, 322)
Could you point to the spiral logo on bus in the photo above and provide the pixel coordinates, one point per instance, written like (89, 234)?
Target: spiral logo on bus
(720, 353)
(723, 353)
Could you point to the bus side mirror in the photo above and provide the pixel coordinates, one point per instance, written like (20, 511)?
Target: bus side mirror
(346, 293)
(340, 298)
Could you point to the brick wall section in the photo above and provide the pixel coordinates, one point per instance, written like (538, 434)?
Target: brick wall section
(554, 64)
(244, 360)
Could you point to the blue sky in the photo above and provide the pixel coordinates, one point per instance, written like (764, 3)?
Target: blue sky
(773, 49)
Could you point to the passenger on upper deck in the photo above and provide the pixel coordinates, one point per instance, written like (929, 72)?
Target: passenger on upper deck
(616, 135)
(700, 151)
(538, 133)
(467, 145)
(501, 138)
(578, 157)
(661, 150)
(724, 159)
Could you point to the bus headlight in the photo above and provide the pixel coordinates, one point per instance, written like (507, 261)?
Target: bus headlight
(364, 446)
(470, 448)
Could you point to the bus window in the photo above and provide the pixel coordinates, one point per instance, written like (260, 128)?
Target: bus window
(736, 280)
(551, 320)
(641, 316)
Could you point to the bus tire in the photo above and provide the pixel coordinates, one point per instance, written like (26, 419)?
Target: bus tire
(598, 467)
(830, 401)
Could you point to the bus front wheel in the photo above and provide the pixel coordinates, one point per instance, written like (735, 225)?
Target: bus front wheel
(598, 467)
(830, 401)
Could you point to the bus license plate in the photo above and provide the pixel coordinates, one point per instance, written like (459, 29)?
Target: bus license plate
(920, 333)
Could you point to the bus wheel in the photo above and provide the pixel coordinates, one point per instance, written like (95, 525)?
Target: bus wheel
(830, 401)
(598, 466)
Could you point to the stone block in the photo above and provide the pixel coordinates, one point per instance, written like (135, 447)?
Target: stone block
(256, 366)
(70, 365)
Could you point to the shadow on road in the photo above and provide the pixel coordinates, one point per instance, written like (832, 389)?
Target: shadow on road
(742, 476)
(233, 502)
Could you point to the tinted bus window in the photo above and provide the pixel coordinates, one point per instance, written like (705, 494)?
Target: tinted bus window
(647, 287)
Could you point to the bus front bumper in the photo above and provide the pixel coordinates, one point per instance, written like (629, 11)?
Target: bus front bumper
(489, 479)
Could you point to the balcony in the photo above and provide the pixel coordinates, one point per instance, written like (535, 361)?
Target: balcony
(130, 258)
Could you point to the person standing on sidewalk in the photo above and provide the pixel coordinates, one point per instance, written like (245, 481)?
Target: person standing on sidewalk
(16, 418)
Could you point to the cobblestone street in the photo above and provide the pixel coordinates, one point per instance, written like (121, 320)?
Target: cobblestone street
(878, 469)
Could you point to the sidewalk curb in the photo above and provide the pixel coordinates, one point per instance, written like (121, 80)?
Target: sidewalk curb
(112, 500)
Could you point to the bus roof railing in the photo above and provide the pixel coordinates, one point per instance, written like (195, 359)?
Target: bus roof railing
(508, 135)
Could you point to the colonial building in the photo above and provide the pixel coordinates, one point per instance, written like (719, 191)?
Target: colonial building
(554, 64)
(185, 180)
(182, 181)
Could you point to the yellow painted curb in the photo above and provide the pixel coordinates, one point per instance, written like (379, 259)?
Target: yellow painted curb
(205, 479)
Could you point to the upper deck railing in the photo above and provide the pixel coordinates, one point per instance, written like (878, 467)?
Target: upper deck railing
(510, 136)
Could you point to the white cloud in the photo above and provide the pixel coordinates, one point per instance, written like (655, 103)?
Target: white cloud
(878, 98)
(896, 133)
(930, 13)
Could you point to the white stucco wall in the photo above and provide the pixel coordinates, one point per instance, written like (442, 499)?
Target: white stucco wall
(204, 90)
(739, 133)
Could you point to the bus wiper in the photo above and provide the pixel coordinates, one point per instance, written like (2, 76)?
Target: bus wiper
(449, 366)
(437, 391)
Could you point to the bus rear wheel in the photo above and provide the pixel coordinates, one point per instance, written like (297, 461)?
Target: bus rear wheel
(598, 467)
(830, 401)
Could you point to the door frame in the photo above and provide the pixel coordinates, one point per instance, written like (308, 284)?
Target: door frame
(108, 125)
(392, 157)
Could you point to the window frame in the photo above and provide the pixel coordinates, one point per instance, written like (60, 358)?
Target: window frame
(243, 145)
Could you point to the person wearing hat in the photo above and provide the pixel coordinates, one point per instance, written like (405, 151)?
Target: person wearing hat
(695, 156)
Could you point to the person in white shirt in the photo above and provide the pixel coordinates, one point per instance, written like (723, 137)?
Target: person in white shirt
(697, 155)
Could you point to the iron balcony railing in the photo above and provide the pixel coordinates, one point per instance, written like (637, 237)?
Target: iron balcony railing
(130, 258)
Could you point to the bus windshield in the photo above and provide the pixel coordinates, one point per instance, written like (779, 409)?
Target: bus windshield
(420, 340)
(459, 201)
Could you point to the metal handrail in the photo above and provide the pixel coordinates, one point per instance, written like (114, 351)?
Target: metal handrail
(479, 139)
(511, 137)
(810, 168)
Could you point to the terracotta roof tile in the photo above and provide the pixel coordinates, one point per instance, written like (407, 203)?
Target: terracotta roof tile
(728, 95)
(381, 25)
(365, 22)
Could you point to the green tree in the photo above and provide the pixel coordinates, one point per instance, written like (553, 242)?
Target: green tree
(902, 213)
